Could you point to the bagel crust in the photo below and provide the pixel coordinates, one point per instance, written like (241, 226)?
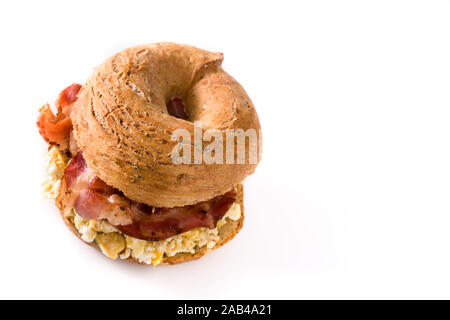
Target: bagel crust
(122, 125)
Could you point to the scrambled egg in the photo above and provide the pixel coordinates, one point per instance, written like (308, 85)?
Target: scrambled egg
(55, 163)
(114, 244)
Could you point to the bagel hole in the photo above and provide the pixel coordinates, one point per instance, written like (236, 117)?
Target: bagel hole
(176, 108)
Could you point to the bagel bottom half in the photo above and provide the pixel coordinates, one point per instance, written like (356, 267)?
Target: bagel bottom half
(226, 232)
(100, 234)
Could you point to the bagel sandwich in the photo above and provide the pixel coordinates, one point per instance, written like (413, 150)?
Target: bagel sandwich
(140, 162)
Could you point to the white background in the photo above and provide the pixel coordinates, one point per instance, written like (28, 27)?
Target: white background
(352, 197)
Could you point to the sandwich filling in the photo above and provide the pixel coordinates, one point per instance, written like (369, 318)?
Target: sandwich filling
(116, 243)
(93, 199)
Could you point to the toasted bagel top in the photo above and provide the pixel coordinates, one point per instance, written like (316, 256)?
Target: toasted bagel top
(122, 126)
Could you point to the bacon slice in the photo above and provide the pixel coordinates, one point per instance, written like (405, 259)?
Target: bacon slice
(55, 128)
(76, 168)
(93, 205)
(153, 224)
(67, 97)
(93, 199)
(51, 129)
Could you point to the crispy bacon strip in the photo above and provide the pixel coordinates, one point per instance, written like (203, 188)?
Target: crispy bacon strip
(51, 129)
(67, 97)
(93, 200)
(152, 224)
(55, 128)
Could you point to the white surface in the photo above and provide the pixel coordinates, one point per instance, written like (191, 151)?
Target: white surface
(351, 199)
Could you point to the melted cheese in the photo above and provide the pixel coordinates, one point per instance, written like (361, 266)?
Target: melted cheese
(114, 244)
